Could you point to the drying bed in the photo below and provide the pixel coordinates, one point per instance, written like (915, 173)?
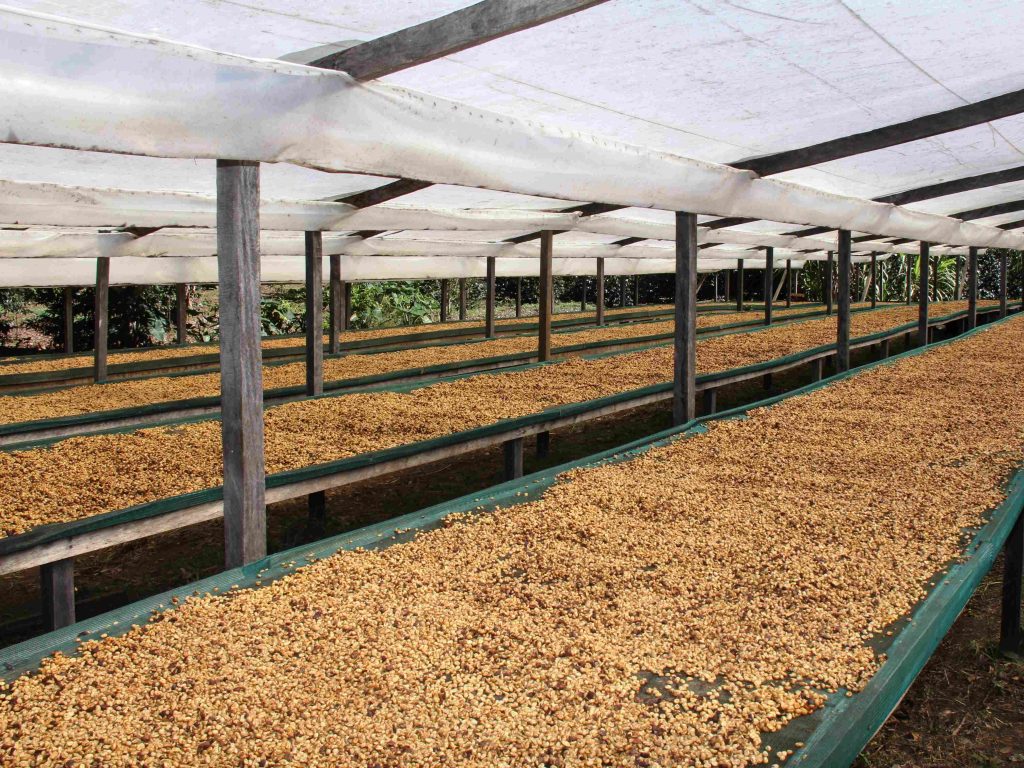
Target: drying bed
(12, 366)
(122, 394)
(722, 599)
(82, 477)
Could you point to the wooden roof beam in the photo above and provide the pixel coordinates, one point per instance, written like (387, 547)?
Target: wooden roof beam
(465, 28)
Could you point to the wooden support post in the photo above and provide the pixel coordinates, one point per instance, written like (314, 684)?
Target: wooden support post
(1003, 263)
(547, 246)
(241, 382)
(100, 319)
(883, 349)
(843, 320)
(922, 298)
(817, 369)
(789, 283)
(874, 277)
(685, 347)
(1011, 637)
(710, 401)
(739, 285)
(828, 283)
(336, 299)
(181, 313)
(583, 293)
(57, 583)
(492, 285)
(347, 288)
(935, 279)
(766, 382)
(958, 289)
(910, 275)
(972, 288)
(728, 279)
(462, 298)
(543, 444)
(69, 321)
(317, 506)
(444, 301)
(314, 314)
(636, 291)
(513, 450)
(622, 290)
(519, 297)
(769, 283)
(599, 293)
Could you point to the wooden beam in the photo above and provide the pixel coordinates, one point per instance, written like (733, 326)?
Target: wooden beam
(972, 287)
(489, 320)
(383, 194)
(739, 285)
(1003, 283)
(57, 587)
(1011, 224)
(583, 293)
(843, 319)
(599, 293)
(181, 313)
(587, 209)
(990, 210)
(444, 301)
(922, 297)
(789, 283)
(100, 324)
(462, 298)
(513, 451)
(465, 28)
(336, 303)
(923, 127)
(314, 314)
(910, 276)
(519, 297)
(874, 276)
(636, 290)
(828, 283)
(69, 321)
(547, 288)
(238, 262)
(769, 283)
(684, 406)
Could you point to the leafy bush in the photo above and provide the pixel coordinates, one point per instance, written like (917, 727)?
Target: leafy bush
(391, 303)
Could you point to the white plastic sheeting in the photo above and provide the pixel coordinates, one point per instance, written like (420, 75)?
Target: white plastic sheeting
(71, 85)
(57, 205)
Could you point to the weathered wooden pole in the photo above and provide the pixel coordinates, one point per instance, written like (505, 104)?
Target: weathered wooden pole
(622, 290)
(599, 293)
(972, 288)
(492, 285)
(462, 298)
(739, 284)
(769, 283)
(336, 304)
(1003, 269)
(728, 279)
(935, 279)
(828, 283)
(958, 290)
(181, 313)
(583, 293)
(843, 319)
(636, 290)
(922, 298)
(57, 587)
(444, 301)
(684, 392)
(346, 301)
(241, 382)
(789, 283)
(1011, 638)
(910, 274)
(100, 319)
(874, 277)
(314, 314)
(513, 451)
(69, 321)
(547, 246)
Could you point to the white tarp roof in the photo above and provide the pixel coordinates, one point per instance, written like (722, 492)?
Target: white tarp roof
(675, 84)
